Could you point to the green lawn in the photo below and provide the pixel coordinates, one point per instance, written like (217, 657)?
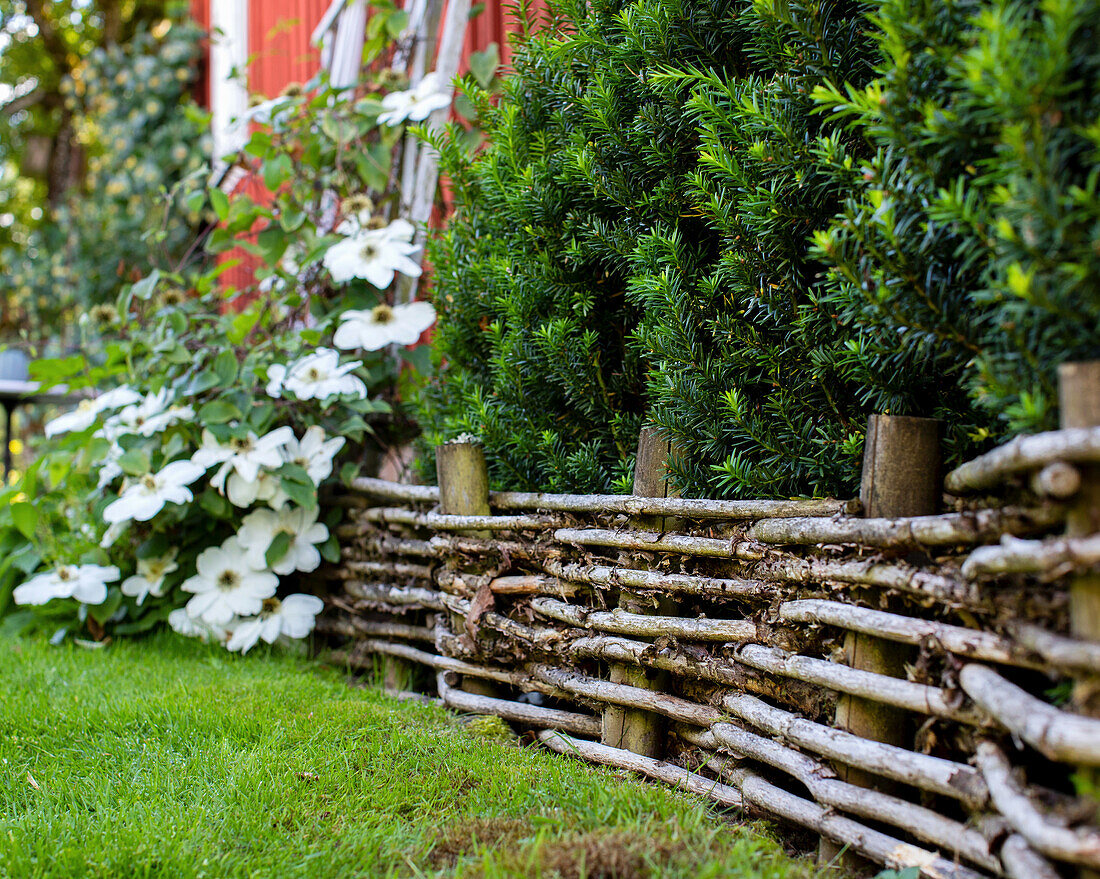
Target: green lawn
(168, 758)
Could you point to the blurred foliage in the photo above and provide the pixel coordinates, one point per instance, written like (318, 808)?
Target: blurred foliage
(97, 142)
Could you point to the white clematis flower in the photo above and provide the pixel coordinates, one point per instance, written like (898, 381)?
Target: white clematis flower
(112, 534)
(415, 104)
(317, 376)
(78, 419)
(85, 583)
(154, 413)
(260, 528)
(313, 453)
(270, 112)
(246, 455)
(150, 576)
(375, 255)
(293, 616)
(110, 469)
(87, 411)
(266, 487)
(145, 497)
(185, 624)
(374, 328)
(226, 585)
(116, 398)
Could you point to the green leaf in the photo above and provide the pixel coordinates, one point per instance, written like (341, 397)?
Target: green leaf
(219, 412)
(278, 171)
(242, 325)
(144, 288)
(103, 612)
(272, 242)
(330, 550)
(204, 381)
(295, 473)
(214, 504)
(25, 517)
(291, 220)
(348, 472)
(303, 495)
(220, 201)
(135, 462)
(55, 369)
(483, 65)
(337, 128)
(225, 367)
(279, 546)
(396, 22)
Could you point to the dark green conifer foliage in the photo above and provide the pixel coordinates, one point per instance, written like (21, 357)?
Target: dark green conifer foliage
(967, 258)
(744, 373)
(587, 152)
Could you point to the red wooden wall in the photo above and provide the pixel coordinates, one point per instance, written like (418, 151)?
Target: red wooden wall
(280, 52)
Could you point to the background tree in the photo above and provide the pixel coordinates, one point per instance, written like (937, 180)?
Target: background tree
(87, 86)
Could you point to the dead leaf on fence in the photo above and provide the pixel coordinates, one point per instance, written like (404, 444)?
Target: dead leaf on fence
(479, 604)
(32, 782)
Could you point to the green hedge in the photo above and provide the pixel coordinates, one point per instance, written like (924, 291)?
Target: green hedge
(754, 223)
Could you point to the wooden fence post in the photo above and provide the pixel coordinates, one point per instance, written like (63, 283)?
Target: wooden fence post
(1079, 395)
(464, 491)
(901, 477)
(642, 732)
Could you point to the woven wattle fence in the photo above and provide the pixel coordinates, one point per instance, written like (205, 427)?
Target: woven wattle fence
(920, 689)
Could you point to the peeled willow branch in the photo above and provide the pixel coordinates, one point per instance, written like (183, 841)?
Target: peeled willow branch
(1023, 862)
(1045, 557)
(544, 638)
(684, 508)
(604, 575)
(395, 491)
(521, 584)
(1058, 480)
(820, 781)
(353, 627)
(948, 529)
(908, 630)
(631, 697)
(532, 715)
(884, 575)
(955, 780)
(446, 663)
(1081, 846)
(934, 774)
(870, 843)
(478, 546)
(656, 541)
(887, 690)
(623, 623)
(669, 773)
(385, 546)
(1059, 650)
(384, 593)
(1058, 735)
(615, 503)
(697, 665)
(388, 569)
(442, 522)
(1078, 444)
